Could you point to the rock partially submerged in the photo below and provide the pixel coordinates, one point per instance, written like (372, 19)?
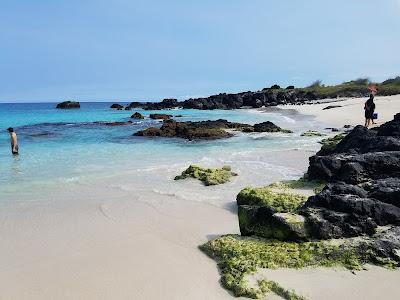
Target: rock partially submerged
(160, 116)
(208, 176)
(68, 105)
(269, 127)
(137, 115)
(117, 123)
(312, 133)
(117, 106)
(164, 104)
(206, 130)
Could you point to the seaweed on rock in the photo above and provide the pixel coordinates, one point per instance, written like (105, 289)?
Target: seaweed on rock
(329, 144)
(265, 196)
(238, 257)
(208, 176)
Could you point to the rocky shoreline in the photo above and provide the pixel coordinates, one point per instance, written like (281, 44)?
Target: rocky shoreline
(358, 211)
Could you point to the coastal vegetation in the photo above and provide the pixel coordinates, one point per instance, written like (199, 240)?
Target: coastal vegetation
(353, 87)
(208, 176)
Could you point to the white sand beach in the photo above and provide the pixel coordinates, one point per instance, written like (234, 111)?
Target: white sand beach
(351, 111)
(88, 242)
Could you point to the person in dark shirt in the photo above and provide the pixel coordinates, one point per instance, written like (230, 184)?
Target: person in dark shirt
(369, 108)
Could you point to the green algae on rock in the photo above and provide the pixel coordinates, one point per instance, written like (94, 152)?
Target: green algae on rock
(302, 183)
(267, 286)
(270, 214)
(312, 133)
(208, 176)
(265, 196)
(238, 257)
(329, 144)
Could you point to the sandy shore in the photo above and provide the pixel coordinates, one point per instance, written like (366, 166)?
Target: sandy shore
(351, 111)
(93, 242)
(102, 242)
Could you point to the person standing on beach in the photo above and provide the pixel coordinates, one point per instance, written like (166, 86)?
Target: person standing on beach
(369, 108)
(13, 139)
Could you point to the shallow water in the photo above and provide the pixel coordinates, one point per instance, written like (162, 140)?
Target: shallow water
(64, 149)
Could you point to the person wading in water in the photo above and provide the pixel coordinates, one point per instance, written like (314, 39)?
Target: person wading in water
(13, 139)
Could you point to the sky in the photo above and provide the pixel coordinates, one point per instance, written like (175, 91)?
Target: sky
(130, 50)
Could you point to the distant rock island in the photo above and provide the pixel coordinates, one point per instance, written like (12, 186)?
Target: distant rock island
(68, 105)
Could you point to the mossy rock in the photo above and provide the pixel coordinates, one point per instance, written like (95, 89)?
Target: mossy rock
(265, 196)
(262, 222)
(329, 144)
(238, 257)
(208, 176)
(300, 184)
(312, 133)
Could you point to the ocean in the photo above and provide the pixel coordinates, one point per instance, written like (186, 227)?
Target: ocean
(64, 150)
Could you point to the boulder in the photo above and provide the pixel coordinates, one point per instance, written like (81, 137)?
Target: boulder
(269, 127)
(355, 168)
(198, 130)
(380, 212)
(68, 105)
(391, 128)
(137, 115)
(261, 221)
(324, 223)
(386, 190)
(189, 130)
(363, 140)
(160, 116)
(209, 176)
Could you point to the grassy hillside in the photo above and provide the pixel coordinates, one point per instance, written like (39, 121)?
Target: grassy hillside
(354, 88)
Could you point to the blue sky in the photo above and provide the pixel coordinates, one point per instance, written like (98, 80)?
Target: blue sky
(147, 50)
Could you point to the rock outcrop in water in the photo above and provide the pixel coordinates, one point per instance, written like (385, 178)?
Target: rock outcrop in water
(137, 115)
(68, 105)
(164, 104)
(160, 116)
(117, 106)
(208, 176)
(205, 130)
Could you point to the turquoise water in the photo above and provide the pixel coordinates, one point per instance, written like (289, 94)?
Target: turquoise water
(64, 146)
